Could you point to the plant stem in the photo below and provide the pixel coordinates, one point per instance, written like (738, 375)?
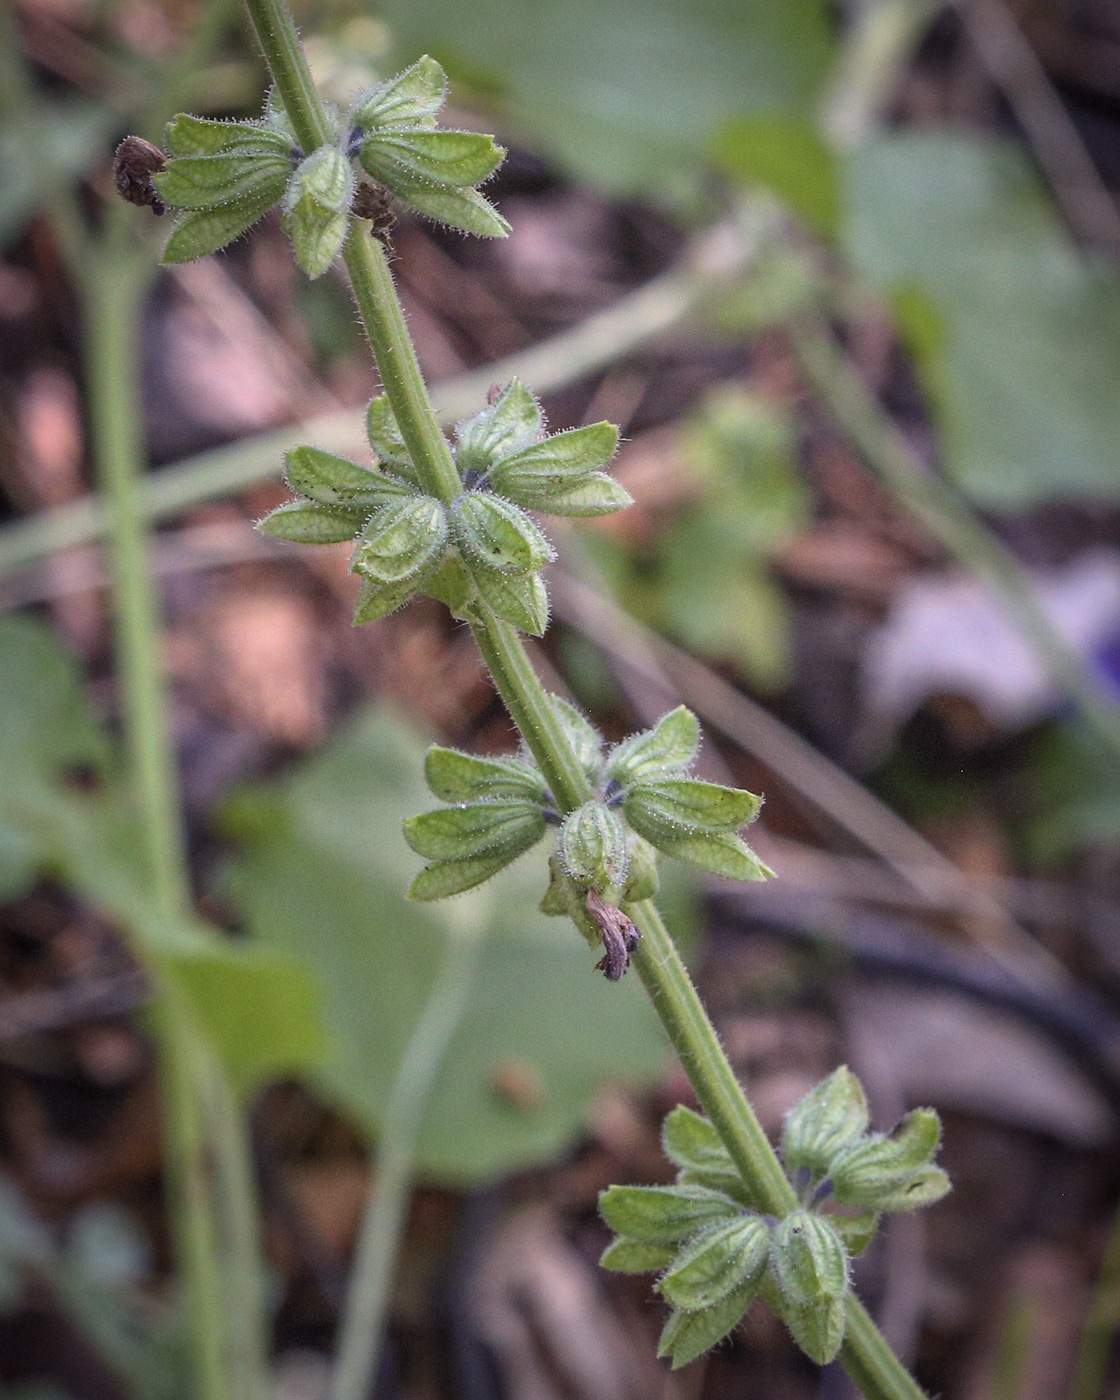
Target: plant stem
(362, 1332)
(934, 501)
(675, 999)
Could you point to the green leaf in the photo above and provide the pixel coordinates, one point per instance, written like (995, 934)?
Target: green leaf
(376, 599)
(676, 804)
(444, 878)
(324, 882)
(199, 136)
(669, 747)
(1023, 367)
(202, 231)
(200, 182)
(724, 1259)
(809, 1259)
(828, 1119)
(786, 156)
(412, 98)
(463, 209)
(592, 846)
(625, 1256)
(688, 1335)
(519, 599)
(628, 95)
(386, 440)
(580, 733)
(443, 157)
(336, 481)
(458, 777)
(307, 522)
(817, 1328)
(511, 422)
(475, 828)
(664, 1214)
(403, 541)
(498, 535)
(583, 499)
(721, 852)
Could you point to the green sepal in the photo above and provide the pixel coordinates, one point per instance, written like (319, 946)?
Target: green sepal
(444, 878)
(497, 534)
(460, 208)
(717, 1261)
(519, 599)
(583, 499)
(831, 1117)
(472, 829)
(307, 522)
(593, 846)
(201, 182)
(642, 879)
(198, 232)
(692, 1144)
(580, 733)
(461, 777)
(809, 1259)
(721, 852)
(857, 1231)
(669, 747)
(452, 584)
(817, 1328)
(564, 898)
(664, 1214)
(624, 1256)
(200, 136)
(511, 422)
(400, 159)
(536, 474)
(411, 99)
(893, 1173)
(687, 1335)
(690, 804)
(336, 481)
(317, 208)
(404, 540)
(385, 438)
(376, 599)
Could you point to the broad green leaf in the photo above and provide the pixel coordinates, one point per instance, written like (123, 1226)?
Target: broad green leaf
(829, 1118)
(628, 94)
(326, 882)
(336, 481)
(635, 1257)
(497, 534)
(459, 777)
(669, 747)
(445, 157)
(718, 1261)
(307, 522)
(1023, 369)
(664, 1214)
(520, 599)
(786, 156)
(511, 422)
(201, 231)
(404, 540)
(412, 98)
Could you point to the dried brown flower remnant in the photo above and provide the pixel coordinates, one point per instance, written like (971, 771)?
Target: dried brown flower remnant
(134, 164)
(372, 202)
(620, 936)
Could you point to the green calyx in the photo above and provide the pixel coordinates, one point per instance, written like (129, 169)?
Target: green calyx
(706, 1238)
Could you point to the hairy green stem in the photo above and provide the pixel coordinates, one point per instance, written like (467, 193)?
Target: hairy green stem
(362, 1333)
(658, 963)
(938, 506)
